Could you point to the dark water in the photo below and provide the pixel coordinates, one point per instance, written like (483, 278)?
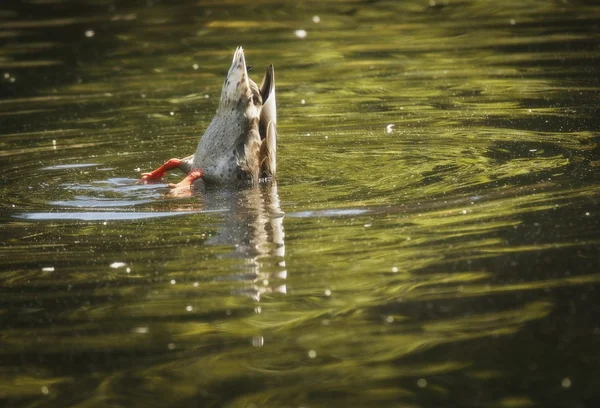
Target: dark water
(432, 239)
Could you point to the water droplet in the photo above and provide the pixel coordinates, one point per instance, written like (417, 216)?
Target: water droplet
(301, 33)
(116, 265)
(173, 281)
(189, 308)
(327, 292)
(312, 354)
(394, 269)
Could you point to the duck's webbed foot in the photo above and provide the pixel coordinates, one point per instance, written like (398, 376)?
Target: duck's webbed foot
(184, 187)
(160, 172)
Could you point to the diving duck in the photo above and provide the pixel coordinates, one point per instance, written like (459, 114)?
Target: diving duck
(240, 144)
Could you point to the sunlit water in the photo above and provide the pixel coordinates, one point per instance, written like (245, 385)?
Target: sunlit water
(432, 239)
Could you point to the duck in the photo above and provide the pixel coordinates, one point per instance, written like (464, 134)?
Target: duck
(239, 146)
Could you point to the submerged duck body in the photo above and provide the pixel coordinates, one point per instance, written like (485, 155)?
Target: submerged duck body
(240, 143)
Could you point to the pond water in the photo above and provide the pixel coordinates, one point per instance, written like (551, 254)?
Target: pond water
(432, 239)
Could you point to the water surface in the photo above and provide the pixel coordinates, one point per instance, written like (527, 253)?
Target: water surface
(432, 238)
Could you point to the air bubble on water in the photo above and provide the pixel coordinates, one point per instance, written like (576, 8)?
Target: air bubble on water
(48, 269)
(6, 75)
(312, 354)
(45, 390)
(464, 211)
(394, 269)
(171, 113)
(566, 383)
(189, 308)
(206, 96)
(512, 21)
(301, 33)
(171, 346)
(316, 19)
(258, 341)
(116, 265)
(141, 330)
(327, 292)
(587, 213)
(422, 382)
(389, 128)
(89, 33)
(195, 66)
(128, 270)
(196, 284)
(173, 281)
(389, 319)
(302, 101)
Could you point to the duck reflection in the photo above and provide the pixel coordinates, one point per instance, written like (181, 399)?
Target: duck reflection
(253, 227)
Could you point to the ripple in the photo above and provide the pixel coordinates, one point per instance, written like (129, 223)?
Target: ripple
(103, 216)
(95, 202)
(328, 213)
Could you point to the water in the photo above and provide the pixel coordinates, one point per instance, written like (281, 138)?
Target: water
(432, 238)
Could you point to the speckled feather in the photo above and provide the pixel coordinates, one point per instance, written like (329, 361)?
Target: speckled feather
(240, 142)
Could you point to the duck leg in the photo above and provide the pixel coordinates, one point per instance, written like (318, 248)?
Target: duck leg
(171, 164)
(184, 187)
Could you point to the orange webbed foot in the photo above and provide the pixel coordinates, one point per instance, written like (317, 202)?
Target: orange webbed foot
(184, 187)
(160, 172)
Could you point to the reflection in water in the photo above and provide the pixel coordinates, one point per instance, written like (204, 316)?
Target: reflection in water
(253, 225)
